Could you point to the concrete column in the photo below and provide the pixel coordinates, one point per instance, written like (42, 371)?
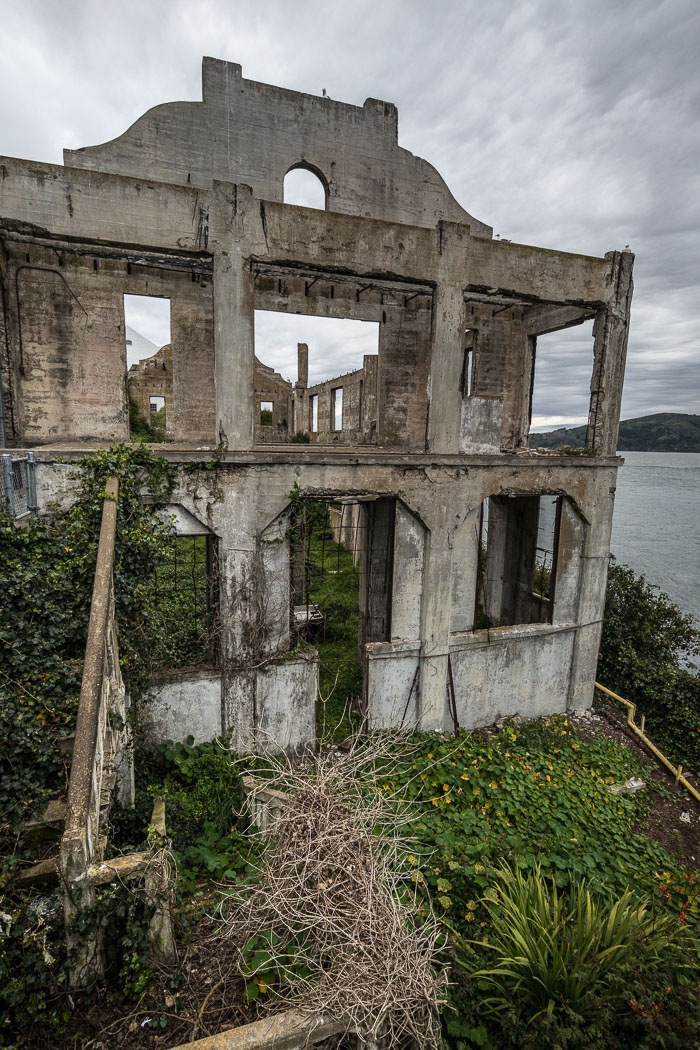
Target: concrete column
(465, 563)
(591, 605)
(609, 354)
(435, 627)
(302, 364)
(234, 335)
(447, 343)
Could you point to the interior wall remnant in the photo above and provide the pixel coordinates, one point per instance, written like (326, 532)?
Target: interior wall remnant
(376, 576)
(518, 587)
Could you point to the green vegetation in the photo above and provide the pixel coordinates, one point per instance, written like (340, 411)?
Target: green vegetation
(535, 797)
(645, 651)
(662, 432)
(266, 419)
(333, 583)
(560, 953)
(46, 577)
(300, 438)
(180, 595)
(141, 429)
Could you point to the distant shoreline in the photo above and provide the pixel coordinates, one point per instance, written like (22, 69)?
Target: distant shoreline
(662, 432)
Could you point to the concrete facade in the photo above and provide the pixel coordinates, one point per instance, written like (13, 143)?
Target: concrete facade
(188, 204)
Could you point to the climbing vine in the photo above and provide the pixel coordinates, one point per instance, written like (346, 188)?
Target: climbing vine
(47, 568)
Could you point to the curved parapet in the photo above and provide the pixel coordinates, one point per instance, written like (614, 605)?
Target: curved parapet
(247, 132)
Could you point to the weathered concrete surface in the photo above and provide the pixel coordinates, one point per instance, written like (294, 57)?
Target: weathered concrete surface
(244, 131)
(184, 705)
(187, 204)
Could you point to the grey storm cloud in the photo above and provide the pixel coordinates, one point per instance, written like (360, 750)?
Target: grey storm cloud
(572, 125)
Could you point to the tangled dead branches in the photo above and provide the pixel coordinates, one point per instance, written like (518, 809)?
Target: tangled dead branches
(339, 900)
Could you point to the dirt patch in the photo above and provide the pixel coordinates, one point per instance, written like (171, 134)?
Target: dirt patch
(202, 996)
(673, 816)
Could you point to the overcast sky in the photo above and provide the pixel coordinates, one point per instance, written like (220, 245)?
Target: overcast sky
(571, 125)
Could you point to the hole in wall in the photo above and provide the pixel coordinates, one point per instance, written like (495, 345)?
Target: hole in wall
(304, 188)
(517, 553)
(336, 345)
(342, 582)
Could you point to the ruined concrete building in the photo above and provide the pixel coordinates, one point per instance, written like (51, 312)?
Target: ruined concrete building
(429, 450)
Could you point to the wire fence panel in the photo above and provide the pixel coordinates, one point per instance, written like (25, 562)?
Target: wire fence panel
(18, 494)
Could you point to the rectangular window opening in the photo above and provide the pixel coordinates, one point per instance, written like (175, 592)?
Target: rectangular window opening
(266, 413)
(468, 364)
(185, 587)
(332, 359)
(149, 376)
(560, 386)
(337, 408)
(517, 564)
(342, 571)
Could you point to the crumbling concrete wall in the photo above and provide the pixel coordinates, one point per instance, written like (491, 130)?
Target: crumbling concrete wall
(358, 424)
(442, 425)
(354, 149)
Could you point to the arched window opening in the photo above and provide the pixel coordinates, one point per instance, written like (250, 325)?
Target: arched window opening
(304, 188)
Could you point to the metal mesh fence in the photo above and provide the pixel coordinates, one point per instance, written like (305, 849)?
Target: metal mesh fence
(18, 493)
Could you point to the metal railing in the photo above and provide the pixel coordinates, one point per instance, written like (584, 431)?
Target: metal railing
(18, 493)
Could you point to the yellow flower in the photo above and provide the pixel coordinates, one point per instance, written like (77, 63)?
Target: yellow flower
(548, 778)
(469, 916)
(447, 798)
(479, 869)
(464, 777)
(445, 787)
(493, 785)
(430, 754)
(434, 801)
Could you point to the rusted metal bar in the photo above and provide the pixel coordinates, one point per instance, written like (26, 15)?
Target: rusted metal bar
(631, 711)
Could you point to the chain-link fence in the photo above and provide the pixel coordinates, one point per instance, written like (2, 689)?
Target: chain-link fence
(18, 492)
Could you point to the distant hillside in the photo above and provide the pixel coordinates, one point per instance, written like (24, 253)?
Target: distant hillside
(663, 432)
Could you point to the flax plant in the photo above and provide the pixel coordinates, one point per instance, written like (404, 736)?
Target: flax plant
(557, 952)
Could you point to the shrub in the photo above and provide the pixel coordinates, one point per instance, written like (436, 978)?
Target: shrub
(646, 639)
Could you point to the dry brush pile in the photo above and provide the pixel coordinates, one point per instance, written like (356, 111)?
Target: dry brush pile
(336, 895)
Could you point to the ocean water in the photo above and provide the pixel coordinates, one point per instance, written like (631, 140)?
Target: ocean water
(656, 523)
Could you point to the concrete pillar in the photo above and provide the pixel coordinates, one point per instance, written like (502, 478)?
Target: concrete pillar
(302, 364)
(435, 626)
(234, 335)
(465, 563)
(447, 341)
(610, 330)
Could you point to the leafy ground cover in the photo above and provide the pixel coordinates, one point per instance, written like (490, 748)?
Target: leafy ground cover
(537, 797)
